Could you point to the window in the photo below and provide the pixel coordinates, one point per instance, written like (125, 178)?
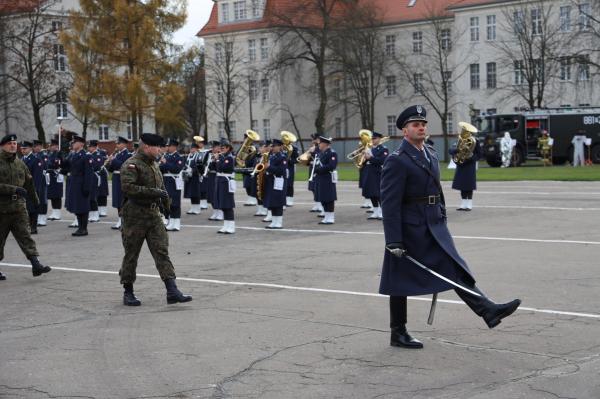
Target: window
(390, 45)
(232, 128)
(391, 125)
(565, 18)
(128, 129)
(491, 111)
(60, 59)
(418, 82)
(61, 104)
(224, 12)
(491, 75)
(251, 50)
(474, 69)
(264, 83)
(254, 124)
(565, 69)
(338, 127)
(446, 40)
(267, 128)
(519, 69)
(253, 89)
(221, 129)
(57, 26)
(220, 93)
(518, 21)
(218, 53)
(337, 89)
(583, 67)
(491, 27)
(390, 85)
(264, 48)
(448, 79)
(103, 132)
(417, 42)
(449, 123)
(536, 21)
(584, 16)
(474, 29)
(239, 10)
(257, 6)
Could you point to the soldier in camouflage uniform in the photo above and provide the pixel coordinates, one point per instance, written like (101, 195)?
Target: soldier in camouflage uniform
(16, 184)
(144, 192)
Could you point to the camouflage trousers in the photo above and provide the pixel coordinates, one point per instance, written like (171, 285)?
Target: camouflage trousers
(17, 223)
(144, 224)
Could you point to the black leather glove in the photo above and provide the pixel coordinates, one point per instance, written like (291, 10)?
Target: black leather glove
(396, 248)
(162, 194)
(21, 192)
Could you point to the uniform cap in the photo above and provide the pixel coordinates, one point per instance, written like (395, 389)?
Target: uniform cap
(377, 134)
(314, 136)
(194, 145)
(78, 139)
(324, 139)
(7, 138)
(276, 142)
(152, 139)
(54, 141)
(410, 114)
(172, 141)
(26, 144)
(122, 140)
(215, 143)
(225, 143)
(37, 142)
(93, 143)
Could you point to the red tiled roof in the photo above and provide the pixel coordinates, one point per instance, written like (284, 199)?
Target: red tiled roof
(393, 11)
(15, 6)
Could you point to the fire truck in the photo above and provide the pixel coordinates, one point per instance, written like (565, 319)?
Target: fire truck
(526, 128)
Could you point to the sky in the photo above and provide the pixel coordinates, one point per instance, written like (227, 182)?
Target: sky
(198, 12)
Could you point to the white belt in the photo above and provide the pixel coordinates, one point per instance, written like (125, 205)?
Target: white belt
(228, 175)
(174, 175)
(116, 172)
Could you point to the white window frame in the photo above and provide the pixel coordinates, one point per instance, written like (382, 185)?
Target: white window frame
(264, 89)
(251, 50)
(536, 21)
(475, 76)
(224, 13)
(474, 28)
(239, 10)
(103, 133)
(450, 123)
(253, 89)
(267, 128)
(390, 86)
(221, 128)
(60, 58)
(417, 42)
(264, 48)
(583, 69)
(446, 39)
(418, 82)
(391, 125)
(519, 72)
(390, 45)
(491, 73)
(491, 28)
(565, 19)
(564, 74)
(62, 104)
(585, 11)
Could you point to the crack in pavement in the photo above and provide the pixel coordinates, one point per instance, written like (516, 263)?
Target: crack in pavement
(48, 394)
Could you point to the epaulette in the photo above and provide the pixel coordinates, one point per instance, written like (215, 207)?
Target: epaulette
(430, 147)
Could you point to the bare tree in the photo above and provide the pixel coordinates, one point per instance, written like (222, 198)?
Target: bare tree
(225, 76)
(433, 68)
(193, 78)
(308, 39)
(358, 51)
(33, 57)
(532, 48)
(586, 30)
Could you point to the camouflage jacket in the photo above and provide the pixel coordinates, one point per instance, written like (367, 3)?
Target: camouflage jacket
(14, 173)
(142, 181)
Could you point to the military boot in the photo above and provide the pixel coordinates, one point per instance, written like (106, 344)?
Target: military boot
(173, 293)
(37, 269)
(494, 316)
(492, 313)
(400, 336)
(2, 276)
(82, 221)
(129, 299)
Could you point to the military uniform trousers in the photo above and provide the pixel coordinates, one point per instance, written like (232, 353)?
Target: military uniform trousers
(142, 223)
(17, 223)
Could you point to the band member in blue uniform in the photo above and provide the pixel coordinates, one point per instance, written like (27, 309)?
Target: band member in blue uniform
(414, 223)
(42, 155)
(248, 180)
(263, 150)
(465, 175)
(192, 179)
(171, 166)
(325, 177)
(314, 150)
(292, 160)
(81, 184)
(276, 184)
(102, 198)
(372, 174)
(56, 186)
(114, 164)
(210, 176)
(97, 164)
(36, 168)
(225, 187)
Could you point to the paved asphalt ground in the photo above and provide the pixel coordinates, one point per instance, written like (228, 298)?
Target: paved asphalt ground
(295, 314)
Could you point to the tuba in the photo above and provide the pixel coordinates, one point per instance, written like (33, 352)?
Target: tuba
(366, 142)
(288, 138)
(466, 143)
(246, 148)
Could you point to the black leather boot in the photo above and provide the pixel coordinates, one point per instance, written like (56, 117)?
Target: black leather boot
(82, 221)
(129, 299)
(173, 293)
(400, 336)
(492, 313)
(2, 276)
(37, 269)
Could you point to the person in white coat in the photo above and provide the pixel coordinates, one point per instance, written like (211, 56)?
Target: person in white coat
(578, 149)
(506, 148)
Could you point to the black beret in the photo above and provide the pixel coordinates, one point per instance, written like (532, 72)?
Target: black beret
(37, 142)
(276, 142)
(54, 141)
(79, 139)
(122, 140)
(7, 138)
(93, 143)
(151, 139)
(412, 113)
(324, 139)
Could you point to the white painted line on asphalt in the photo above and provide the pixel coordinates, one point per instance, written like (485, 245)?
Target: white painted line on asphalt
(378, 233)
(568, 193)
(299, 288)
